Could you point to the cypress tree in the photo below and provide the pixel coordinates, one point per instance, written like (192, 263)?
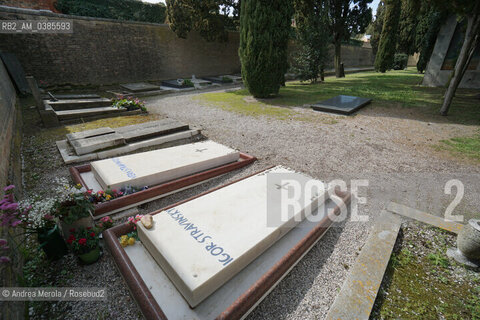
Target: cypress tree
(264, 33)
(407, 26)
(376, 26)
(430, 21)
(388, 38)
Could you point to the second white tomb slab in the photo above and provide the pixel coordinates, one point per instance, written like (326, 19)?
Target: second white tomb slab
(158, 166)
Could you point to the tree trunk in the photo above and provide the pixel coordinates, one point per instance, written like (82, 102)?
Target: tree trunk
(338, 56)
(473, 24)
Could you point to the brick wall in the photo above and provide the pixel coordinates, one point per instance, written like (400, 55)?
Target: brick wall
(8, 131)
(30, 4)
(102, 51)
(7, 110)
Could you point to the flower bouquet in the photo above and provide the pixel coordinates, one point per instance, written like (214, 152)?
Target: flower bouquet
(85, 244)
(129, 103)
(131, 237)
(105, 223)
(73, 208)
(36, 218)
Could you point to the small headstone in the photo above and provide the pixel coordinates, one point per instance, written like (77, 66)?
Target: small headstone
(341, 104)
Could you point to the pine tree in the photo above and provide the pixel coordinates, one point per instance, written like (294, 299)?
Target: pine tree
(264, 32)
(346, 17)
(388, 39)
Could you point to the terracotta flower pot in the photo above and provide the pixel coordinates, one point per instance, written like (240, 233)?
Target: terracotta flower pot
(52, 243)
(91, 256)
(82, 223)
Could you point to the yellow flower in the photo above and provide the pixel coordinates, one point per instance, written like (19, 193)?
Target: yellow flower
(108, 197)
(131, 241)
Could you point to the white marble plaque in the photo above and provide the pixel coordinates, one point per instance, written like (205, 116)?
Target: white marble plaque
(158, 166)
(204, 242)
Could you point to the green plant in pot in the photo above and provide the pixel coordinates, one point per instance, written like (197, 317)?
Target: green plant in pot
(84, 243)
(37, 219)
(74, 209)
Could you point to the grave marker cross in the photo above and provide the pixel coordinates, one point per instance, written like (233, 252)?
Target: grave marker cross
(282, 186)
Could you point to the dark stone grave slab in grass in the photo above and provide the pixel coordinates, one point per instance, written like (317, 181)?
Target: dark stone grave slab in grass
(341, 104)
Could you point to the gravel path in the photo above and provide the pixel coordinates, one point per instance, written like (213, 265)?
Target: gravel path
(390, 148)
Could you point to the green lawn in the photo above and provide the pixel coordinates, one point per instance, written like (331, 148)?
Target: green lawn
(421, 282)
(393, 89)
(467, 146)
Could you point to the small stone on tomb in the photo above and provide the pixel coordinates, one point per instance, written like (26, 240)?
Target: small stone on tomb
(147, 221)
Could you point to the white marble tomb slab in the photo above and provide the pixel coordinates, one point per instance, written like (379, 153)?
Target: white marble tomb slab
(203, 243)
(158, 166)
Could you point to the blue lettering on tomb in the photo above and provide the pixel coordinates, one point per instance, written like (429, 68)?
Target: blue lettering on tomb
(212, 248)
(129, 172)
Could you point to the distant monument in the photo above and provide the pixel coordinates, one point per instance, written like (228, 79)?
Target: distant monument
(445, 53)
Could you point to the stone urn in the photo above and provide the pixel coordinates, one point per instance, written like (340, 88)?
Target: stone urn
(468, 240)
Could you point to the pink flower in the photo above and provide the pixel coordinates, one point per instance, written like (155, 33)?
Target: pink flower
(4, 259)
(10, 187)
(82, 241)
(16, 223)
(3, 242)
(106, 219)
